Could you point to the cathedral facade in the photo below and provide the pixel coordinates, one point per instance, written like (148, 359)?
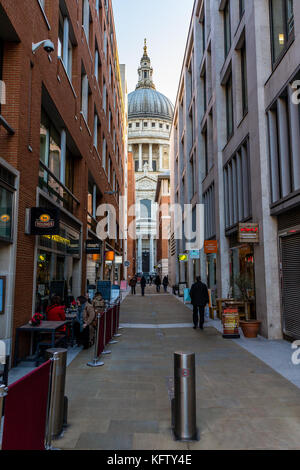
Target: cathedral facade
(150, 116)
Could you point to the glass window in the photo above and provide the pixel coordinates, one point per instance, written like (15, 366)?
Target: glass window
(146, 209)
(227, 28)
(229, 107)
(6, 203)
(242, 8)
(282, 25)
(244, 79)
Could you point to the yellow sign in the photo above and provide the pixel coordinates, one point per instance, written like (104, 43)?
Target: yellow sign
(58, 239)
(183, 257)
(5, 218)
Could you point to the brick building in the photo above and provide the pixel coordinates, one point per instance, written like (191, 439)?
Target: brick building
(162, 198)
(61, 147)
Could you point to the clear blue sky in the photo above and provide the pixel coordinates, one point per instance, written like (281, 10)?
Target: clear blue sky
(165, 24)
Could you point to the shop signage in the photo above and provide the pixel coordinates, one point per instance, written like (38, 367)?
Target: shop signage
(44, 221)
(183, 257)
(118, 259)
(210, 247)
(109, 256)
(194, 254)
(93, 247)
(248, 233)
(231, 322)
(182, 286)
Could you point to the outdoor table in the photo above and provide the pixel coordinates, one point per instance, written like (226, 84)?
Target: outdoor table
(45, 327)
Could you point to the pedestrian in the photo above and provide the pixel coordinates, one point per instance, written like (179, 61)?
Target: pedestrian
(150, 280)
(200, 298)
(132, 283)
(84, 329)
(157, 283)
(166, 283)
(143, 285)
(56, 311)
(98, 303)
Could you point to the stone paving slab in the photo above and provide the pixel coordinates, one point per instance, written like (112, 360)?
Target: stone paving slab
(241, 402)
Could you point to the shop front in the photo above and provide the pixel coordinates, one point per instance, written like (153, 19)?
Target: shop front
(242, 275)
(8, 235)
(289, 248)
(211, 250)
(93, 249)
(58, 265)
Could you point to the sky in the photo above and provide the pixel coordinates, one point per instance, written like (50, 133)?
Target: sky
(165, 24)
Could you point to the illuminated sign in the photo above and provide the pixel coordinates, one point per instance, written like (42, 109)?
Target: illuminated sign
(44, 221)
(58, 239)
(194, 254)
(118, 259)
(248, 233)
(109, 256)
(183, 258)
(5, 218)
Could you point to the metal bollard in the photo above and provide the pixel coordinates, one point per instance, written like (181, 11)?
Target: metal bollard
(95, 361)
(184, 410)
(112, 341)
(117, 335)
(57, 397)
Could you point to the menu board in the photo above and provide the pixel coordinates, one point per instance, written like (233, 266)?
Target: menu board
(231, 322)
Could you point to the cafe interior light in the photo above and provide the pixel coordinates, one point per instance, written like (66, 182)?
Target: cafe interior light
(281, 39)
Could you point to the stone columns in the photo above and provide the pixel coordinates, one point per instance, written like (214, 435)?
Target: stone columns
(139, 260)
(160, 157)
(295, 138)
(150, 157)
(151, 254)
(140, 157)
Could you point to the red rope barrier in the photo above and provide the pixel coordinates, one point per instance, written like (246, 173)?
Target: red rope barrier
(26, 411)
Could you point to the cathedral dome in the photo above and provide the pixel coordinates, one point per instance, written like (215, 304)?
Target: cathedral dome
(149, 103)
(145, 102)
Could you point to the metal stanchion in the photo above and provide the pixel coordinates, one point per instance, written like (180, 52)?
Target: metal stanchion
(95, 361)
(185, 428)
(57, 398)
(51, 402)
(117, 306)
(3, 393)
(112, 341)
(104, 336)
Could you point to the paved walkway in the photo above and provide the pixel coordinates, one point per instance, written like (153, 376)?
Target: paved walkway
(241, 402)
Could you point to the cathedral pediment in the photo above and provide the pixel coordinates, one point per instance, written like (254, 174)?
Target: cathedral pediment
(146, 182)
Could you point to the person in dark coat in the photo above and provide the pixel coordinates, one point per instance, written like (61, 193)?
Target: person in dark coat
(157, 282)
(166, 283)
(143, 285)
(200, 298)
(132, 284)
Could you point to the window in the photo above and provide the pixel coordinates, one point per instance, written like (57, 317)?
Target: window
(227, 28)
(104, 154)
(145, 209)
(154, 165)
(282, 26)
(2, 87)
(86, 18)
(160, 126)
(136, 166)
(84, 95)
(229, 107)
(130, 126)
(96, 126)
(104, 97)
(137, 124)
(242, 8)
(204, 92)
(153, 124)
(6, 213)
(244, 79)
(65, 47)
(145, 124)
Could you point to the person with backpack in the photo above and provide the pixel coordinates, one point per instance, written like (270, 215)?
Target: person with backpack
(133, 283)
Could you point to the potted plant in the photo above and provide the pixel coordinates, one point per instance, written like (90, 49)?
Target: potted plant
(250, 328)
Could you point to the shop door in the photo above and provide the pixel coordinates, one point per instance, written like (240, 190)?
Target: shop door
(146, 261)
(290, 282)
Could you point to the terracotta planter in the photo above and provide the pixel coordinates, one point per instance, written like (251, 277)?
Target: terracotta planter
(250, 328)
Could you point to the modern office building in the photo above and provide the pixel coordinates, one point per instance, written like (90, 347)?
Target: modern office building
(62, 147)
(235, 148)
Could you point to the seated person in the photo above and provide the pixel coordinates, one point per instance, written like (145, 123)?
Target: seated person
(56, 311)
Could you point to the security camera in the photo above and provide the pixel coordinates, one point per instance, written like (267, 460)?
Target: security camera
(47, 44)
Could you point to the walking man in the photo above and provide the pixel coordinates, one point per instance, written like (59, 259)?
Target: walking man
(157, 283)
(199, 297)
(132, 284)
(166, 283)
(143, 285)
